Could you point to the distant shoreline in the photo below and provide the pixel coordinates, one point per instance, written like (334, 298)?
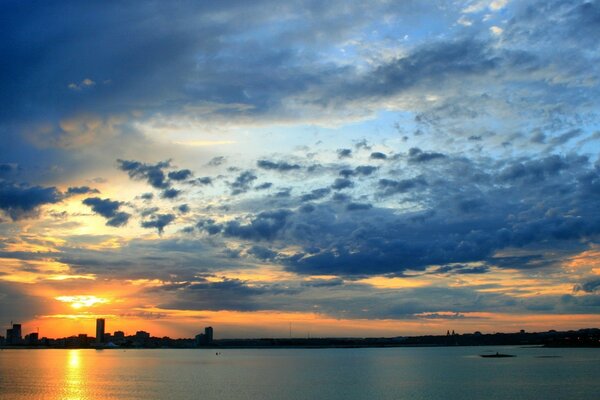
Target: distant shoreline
(583, 338)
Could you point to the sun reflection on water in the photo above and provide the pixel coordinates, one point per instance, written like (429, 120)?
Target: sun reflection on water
(74, 385)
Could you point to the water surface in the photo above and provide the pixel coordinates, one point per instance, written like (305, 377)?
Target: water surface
(290, 374)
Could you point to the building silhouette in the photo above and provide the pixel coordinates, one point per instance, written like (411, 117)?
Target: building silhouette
(100, 330)
(205, 338)
(14, 335)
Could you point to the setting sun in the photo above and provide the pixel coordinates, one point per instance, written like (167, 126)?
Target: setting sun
(78, 302)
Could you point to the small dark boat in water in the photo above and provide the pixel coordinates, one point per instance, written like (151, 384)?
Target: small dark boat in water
(496, 355)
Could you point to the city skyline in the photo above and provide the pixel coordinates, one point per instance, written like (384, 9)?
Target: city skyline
(336, 169)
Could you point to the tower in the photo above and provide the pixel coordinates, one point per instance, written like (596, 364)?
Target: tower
(100, 330)
(208, 333)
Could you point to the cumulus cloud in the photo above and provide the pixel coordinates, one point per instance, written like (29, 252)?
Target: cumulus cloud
(417, 155)
(180, 175)
(158, 221)
(75, 190)
(152, 173)
(344, 153)
(109, 209)
(280, 166)
(242, 183)
(23, 201)
(377, 155)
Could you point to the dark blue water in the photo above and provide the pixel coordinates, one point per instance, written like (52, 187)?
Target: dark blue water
(282, 374)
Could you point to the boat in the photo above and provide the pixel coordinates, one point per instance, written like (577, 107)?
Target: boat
(497, 355)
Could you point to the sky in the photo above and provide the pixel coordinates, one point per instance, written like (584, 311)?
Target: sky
(304, 168)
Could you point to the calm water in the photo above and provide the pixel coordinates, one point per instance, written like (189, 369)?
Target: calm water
(284, 374)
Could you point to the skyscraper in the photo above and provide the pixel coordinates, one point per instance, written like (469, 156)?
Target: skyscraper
(100, 330)
(14, 335)
(208, 333)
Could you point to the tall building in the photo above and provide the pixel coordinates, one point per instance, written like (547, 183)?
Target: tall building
(208, 333)
(205, 338)
(100, 330)
(14, 335)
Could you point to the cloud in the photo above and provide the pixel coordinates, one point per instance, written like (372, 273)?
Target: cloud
(315, 194)
(170, 193)
(364, 170)
(216, 161)
(180, 175)
(389, 187)
(280, 166)
(265, 225)
(183, 208)
(7, 168)
(205, 180)
(342, 183)
(376, 155)
(242, 183)
(358, 206)
(263, 186)
(591, 286)
(109, 209)
(416, 155)
(75, 190)
(152, 173)
(23, 201)
(344, 153)
(159, 221)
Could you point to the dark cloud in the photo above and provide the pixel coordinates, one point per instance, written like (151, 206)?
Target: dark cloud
(229, 294)
(340, 197)
(264, 226)
(147, 196)
(23, 201)
(180, 175)
(7, 168)
(152, 173)
(344, 153)
(362, 144)
(216, 161)
(149, 211)
(183, 208)
(323, 283)
(342, 183)
(18, 305)
(209, 225)
(280, 166)
(416, 155)
(591, 286)
(242, 183)
(315, 194)
(170, 193)
(536, 170)
(346, 173)
(262, 253)
(461, 269)
(358, 206)
(263, 186)
(159, 221)
(81, 190)
(283, 193)
(205, 180)
(306, 208)
(365, 170)
(108, 209)
(464, 218)
(376, 155)
(389, 187)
